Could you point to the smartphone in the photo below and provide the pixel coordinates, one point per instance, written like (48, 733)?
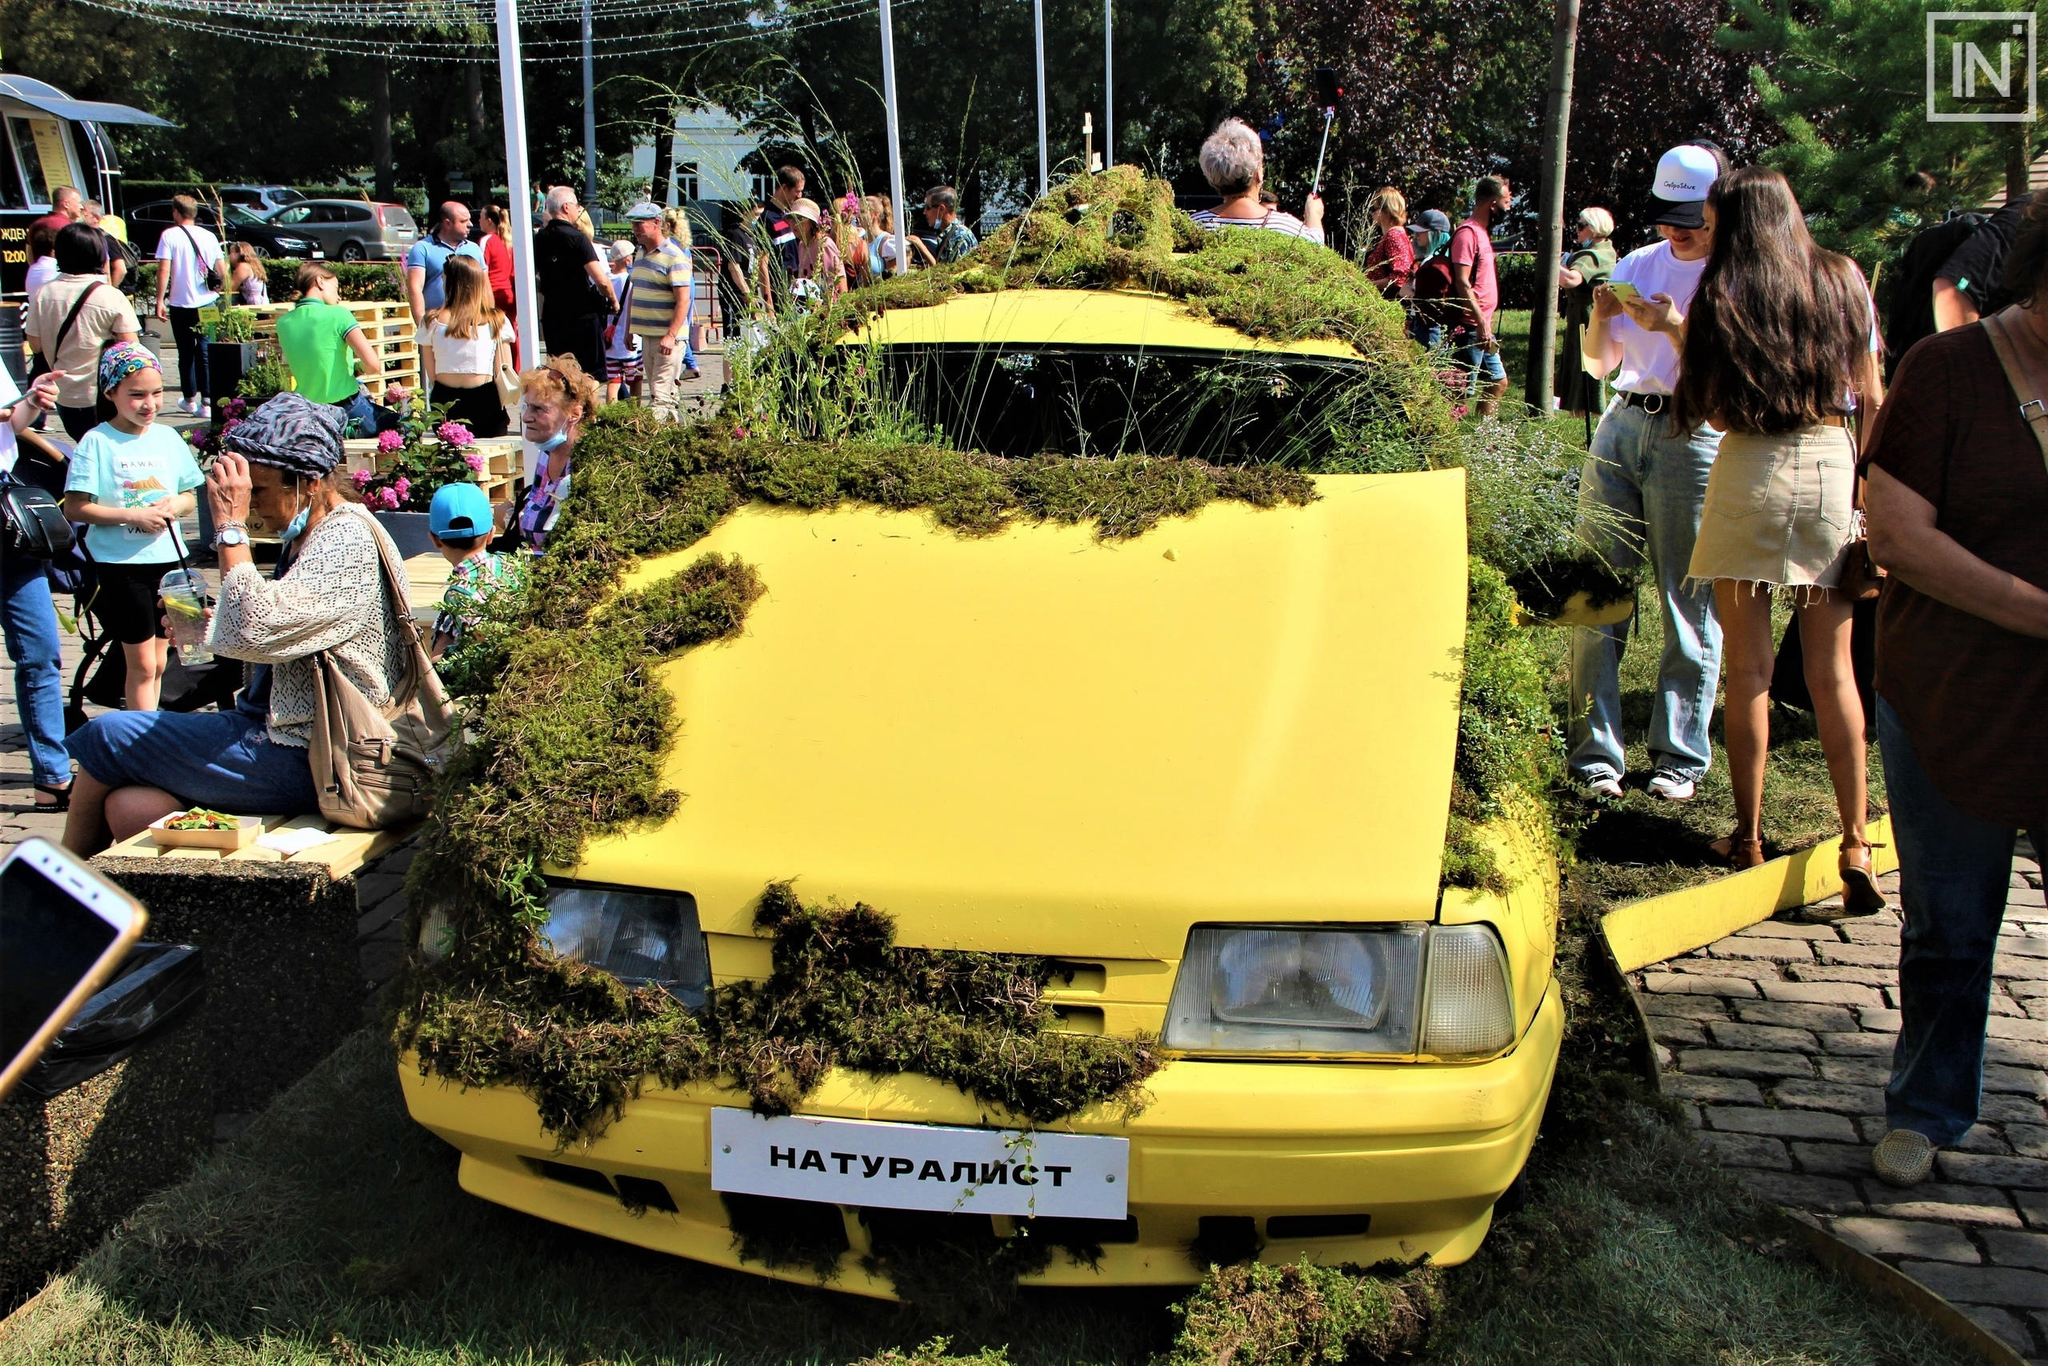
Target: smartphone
(1328, 92)
(1622, 289)
(63, 931)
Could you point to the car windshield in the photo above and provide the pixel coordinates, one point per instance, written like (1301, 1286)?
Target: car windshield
(239, 217)
(1224, 407)
(286, 196)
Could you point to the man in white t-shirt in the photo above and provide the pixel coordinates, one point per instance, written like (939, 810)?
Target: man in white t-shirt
(1655, 480)
(186, 255)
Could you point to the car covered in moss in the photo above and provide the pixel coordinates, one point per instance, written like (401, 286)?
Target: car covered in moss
(881, 858)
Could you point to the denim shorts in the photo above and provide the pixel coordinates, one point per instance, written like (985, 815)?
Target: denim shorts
(221, 759)
(1483, 365)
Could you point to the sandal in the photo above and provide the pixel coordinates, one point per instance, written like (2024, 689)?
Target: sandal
(62, 802)
(1739, 853)
(1860, 895)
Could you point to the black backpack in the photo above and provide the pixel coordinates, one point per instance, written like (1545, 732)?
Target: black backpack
(1911, 314)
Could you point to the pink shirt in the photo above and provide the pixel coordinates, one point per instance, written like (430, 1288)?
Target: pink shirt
(1472, 246)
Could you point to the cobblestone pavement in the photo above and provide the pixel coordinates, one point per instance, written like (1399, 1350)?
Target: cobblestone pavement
(1778, 1041)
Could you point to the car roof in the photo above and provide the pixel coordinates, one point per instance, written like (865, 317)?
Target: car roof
(1099, 318)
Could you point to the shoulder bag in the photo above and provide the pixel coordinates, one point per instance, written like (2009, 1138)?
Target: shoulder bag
(211, 269)
(2033, 411)
(32, 523)
(505, 375)
(375, 767)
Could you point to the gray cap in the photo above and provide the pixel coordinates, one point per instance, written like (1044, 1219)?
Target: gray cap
(645, 209)
(1434, 220)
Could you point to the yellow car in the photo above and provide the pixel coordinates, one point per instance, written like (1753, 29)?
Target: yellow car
(1206, 770)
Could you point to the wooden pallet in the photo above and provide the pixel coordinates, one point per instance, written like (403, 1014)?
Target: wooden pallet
(500, 452)
(343, 855)
(388, 326)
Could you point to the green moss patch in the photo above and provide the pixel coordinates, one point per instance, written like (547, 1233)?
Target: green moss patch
(1304, 1315)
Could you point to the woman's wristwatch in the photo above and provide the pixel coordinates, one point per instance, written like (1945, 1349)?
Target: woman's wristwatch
(230, 533)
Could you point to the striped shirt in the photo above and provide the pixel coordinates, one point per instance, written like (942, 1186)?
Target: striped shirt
(1274, 221)
(656, 276)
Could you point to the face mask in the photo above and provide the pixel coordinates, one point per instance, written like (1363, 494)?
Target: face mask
(552, 442)
(297, 526)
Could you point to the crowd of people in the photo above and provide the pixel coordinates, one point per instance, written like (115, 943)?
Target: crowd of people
(1753, 423)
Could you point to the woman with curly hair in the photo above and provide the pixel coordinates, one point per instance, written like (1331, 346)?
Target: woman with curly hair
(555, 401)
(1780, 353)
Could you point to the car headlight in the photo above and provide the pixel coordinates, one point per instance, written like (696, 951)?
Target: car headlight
(1389, 989)
(642, 938)
(292, 244)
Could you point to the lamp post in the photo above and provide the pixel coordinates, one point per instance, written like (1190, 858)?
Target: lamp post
(518, 195)
(895, 142)
(1038, 39)
(1108, 84)
(589, 117)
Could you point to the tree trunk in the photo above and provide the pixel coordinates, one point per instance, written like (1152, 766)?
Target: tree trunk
(386, 189)
(664, 158)
(1557, 119)
(2017, 167)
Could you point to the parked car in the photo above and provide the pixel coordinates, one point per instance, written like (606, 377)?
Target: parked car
(148, 222)
(261, 200)
(1205, 772)
(352, 229)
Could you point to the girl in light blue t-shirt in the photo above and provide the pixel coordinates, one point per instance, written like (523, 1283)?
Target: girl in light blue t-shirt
(131, 480)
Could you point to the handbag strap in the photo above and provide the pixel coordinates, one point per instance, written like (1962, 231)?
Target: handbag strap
(71, 318)
(2033, 410)
(422, 681)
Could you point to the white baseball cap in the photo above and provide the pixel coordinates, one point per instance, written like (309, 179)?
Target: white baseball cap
(1684, 175)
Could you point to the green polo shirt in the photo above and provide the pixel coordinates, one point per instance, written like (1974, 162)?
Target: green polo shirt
(314, 336)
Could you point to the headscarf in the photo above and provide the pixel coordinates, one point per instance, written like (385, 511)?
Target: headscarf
(123, 359)
(291, 433)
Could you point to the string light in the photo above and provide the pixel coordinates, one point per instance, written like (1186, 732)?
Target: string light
(752, 27)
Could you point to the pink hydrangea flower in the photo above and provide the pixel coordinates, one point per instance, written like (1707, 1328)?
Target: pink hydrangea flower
(402, 486)
(387, 442)
(362, 477)
(454, 433)
(475, 460)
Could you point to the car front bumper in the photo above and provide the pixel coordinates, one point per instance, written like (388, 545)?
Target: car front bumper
(1423, 1149)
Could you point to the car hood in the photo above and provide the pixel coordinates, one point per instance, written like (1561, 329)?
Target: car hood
(1040, 742)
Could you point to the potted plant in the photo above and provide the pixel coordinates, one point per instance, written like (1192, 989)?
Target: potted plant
(230, 352)
(425, 453)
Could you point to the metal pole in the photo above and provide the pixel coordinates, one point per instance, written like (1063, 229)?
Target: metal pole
(1329, 117)
(589, 118)
(1541, 384)
(895, 141)
(518, 196)
(1108, 84)
(1038, 37)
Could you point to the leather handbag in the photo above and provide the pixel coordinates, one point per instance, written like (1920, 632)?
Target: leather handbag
(375, 767)
(1860, 579)
(34, 523)
(505, 375)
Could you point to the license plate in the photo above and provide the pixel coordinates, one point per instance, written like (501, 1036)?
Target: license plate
(920, 1166)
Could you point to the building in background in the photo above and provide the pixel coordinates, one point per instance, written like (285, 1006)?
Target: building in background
(711, 149)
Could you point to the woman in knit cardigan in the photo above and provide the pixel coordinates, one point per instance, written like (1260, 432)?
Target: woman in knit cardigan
(278, 472)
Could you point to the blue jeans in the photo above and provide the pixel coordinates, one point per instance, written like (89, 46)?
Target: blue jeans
(221, 759)
(29, 617)
(1657, 482)
(1954, 875)
(1481, 366)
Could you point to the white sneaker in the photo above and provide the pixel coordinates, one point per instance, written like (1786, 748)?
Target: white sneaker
(185, 405)
(1606, 787)
(1667, 786)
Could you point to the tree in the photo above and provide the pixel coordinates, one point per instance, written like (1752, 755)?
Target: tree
(1848, 80)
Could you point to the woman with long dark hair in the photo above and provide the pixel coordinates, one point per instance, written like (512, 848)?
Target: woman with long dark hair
(1780, 355)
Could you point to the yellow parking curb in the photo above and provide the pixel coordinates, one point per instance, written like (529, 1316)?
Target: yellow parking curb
(1660, 927)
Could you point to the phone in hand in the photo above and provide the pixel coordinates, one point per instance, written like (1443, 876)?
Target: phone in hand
(1623, 290)
(64, 929)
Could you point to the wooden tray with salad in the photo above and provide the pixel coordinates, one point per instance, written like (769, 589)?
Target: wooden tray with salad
(200, 828)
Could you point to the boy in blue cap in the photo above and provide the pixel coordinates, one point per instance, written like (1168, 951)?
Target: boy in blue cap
(459, 520)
